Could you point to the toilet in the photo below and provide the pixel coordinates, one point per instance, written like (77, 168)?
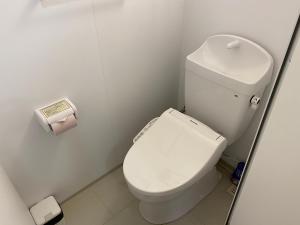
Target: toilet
(171, 165)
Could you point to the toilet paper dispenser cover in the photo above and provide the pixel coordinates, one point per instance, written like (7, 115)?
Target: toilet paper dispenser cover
(60, 115)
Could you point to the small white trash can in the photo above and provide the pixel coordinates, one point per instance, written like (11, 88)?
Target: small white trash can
(47, 212)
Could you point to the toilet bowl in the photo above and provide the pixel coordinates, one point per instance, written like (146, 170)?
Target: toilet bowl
(171, 167)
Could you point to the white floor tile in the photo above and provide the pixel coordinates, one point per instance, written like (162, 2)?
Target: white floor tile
(85, 209)
(129, 216)
(62, 222)
(113, 191)
(109, 202)
(212, 210)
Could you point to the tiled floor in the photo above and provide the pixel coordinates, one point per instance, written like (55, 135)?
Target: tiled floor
(108, 202)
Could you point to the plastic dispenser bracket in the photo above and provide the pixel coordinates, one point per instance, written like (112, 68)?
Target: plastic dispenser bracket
(254, 101)
(57, 117)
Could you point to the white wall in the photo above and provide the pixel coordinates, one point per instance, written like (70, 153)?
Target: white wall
(270, 193)
(12, 208)
(118, 60)
(269, 23)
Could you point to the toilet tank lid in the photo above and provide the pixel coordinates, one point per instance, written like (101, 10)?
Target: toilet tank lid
(171, 153)
(238, 72)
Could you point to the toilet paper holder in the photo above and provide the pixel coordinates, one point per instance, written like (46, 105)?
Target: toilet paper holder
(58, 116)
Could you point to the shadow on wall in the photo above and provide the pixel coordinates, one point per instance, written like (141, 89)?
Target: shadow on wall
(66, 8)
(37, 145)
(45, 45)
(36, 165)
(22, 168)
(104, 5)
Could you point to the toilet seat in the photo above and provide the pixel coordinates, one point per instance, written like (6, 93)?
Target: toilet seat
(171, 155)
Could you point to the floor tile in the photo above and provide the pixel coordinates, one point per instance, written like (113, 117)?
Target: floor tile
(109, 202)
(113, 191)
(62, 222)
(212, 210)
(85, 209)
(129, 216)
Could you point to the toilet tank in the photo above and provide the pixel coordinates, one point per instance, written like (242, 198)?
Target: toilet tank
(13, 210)
(217, 99)
(226, 111)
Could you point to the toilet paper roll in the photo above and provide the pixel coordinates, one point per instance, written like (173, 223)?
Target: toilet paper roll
(63, 125)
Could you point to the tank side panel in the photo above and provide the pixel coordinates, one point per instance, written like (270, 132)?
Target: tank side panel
(224, 110)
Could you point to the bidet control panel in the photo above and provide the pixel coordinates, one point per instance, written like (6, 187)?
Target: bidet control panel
(144, 130)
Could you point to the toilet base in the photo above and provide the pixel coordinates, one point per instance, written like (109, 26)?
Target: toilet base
(170, 210)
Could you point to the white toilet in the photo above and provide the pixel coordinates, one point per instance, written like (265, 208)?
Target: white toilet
(171, 165)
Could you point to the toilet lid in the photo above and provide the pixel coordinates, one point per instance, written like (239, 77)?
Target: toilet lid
(174, 151)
